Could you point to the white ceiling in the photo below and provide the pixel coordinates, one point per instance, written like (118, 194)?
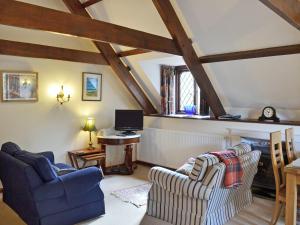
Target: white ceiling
(215, 27)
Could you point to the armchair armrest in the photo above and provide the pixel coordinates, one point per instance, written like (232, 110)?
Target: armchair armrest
(81, 181)
(179, 184)
(49, 155)
(50, 190)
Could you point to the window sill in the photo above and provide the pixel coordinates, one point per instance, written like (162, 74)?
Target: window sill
(208, 118)
(181, 116)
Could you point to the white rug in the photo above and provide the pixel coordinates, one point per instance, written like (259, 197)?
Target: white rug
(136, 195)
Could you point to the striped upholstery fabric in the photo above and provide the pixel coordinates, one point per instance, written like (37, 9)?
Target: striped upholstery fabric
(179, 200)
(241, 149)
(202, 164)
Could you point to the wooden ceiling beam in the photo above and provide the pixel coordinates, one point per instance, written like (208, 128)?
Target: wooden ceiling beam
(287, 9)
(89, 3)
(41, 18)
(190, 57)
(250, 54)
(116, 63)
(132, 52)
(15, 48)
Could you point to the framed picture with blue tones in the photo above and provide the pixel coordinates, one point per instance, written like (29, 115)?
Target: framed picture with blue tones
(91, 86)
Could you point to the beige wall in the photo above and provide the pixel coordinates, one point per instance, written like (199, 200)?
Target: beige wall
(45, 125)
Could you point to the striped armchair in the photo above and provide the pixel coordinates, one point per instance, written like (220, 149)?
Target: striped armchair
(200, 198)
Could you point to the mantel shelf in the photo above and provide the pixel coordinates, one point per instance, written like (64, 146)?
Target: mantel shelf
(283, 122)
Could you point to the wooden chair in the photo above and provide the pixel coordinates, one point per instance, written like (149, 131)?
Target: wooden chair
(278, 169)
(289, 144)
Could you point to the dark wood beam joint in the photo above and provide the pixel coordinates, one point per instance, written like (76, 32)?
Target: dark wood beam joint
(80, 25)
(132, 52)
(116, 63)
(89, 3)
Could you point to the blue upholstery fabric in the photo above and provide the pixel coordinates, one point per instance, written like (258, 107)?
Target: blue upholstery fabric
(10, 148)
(66, 200)
(81, 181)
(40, 163)
(63, 171)
(49, 155)
(63, 166)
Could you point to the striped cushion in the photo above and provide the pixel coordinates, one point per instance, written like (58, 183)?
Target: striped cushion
(241, 149)
(214, 176)
(186, 168)
(201, 165)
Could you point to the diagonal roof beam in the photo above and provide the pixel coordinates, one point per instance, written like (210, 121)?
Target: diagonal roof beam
(41, 18)
(287, 9)
(15, 48)
(182, 40)
(117, 65)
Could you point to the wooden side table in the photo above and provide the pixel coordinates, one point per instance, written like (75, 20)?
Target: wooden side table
(87, 155)
(128, 142)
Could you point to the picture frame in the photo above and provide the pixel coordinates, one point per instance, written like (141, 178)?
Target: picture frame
(91, 86)
(18, 86)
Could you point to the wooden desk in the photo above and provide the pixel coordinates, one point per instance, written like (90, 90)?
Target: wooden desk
(292, 180)
(87, 155)
(128, 141)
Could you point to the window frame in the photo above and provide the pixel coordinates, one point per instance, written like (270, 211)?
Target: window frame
(178, 71)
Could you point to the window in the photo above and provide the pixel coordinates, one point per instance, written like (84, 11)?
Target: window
(187, 92)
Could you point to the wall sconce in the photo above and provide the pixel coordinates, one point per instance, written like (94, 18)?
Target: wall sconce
(61, 98)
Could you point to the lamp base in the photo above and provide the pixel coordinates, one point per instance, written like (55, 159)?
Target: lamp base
(91, 147)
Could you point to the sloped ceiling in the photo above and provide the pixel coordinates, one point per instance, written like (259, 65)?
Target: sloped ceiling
(215, 27)
(219, 28)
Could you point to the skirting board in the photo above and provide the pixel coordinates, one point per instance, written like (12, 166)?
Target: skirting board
(152, 165)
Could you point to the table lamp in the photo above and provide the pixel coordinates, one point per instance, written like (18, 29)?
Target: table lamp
(90, 126)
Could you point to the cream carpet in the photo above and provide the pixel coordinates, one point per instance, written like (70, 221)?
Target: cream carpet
(118, 212)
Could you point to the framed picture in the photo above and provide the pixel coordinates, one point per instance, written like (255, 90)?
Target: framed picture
(91, 87)
(19, 86)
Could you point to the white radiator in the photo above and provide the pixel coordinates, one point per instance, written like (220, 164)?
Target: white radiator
(172, 148)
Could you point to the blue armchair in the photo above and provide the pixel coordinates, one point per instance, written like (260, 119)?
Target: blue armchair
(41, 197)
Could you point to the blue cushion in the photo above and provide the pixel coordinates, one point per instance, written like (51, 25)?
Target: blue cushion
(10, 148)
(63, 166)
(40, 163)
(62, 171)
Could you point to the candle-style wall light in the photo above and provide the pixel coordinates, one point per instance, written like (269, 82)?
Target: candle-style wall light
(61, 97)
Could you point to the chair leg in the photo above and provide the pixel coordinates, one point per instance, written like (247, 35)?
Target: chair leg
(276, 212)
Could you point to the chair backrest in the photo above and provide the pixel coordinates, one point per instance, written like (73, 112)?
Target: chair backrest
(277, 160)
(289, 144)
